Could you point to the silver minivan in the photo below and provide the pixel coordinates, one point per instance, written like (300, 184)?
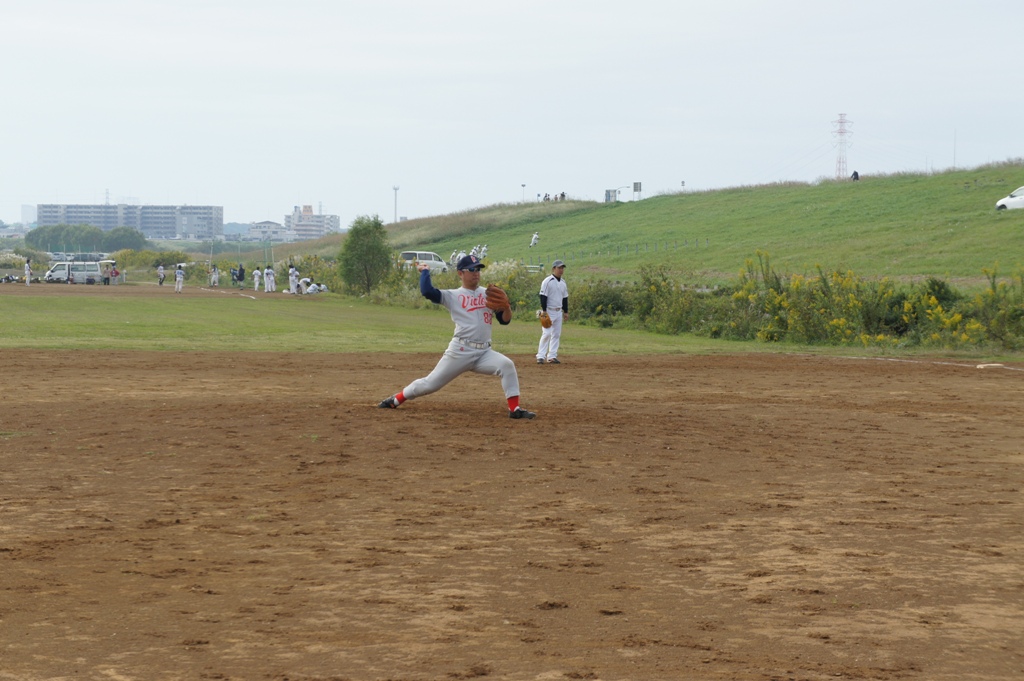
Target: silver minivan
(432, 260)
(77, 272)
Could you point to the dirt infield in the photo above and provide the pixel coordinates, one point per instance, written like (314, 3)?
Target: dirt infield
(225, 516)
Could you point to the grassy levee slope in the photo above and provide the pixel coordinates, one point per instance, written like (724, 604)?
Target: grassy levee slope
(901, 226)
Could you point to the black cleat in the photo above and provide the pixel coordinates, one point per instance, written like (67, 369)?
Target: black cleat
(553, 360)
(389, 403)
(540, 361)
(521, 413)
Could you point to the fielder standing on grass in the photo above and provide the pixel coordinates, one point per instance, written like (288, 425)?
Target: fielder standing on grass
(554, 302)
(472, 308)
(28, 271)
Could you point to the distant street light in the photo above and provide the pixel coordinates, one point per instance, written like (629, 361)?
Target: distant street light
(619, 191)
(396, 203)
(524, 192)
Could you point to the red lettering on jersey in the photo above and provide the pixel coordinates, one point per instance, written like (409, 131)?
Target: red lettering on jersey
(473, 302)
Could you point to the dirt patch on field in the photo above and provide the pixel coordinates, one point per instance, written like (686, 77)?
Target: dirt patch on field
(229, 516)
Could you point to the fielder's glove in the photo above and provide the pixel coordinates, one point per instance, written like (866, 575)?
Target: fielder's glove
(545, 318)
(498, 300)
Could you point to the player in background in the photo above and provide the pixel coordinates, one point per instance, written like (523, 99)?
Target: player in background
(179, 279)
(28, 271)
(256, 274)
(160, 276)
(470, 349)
(554, 298)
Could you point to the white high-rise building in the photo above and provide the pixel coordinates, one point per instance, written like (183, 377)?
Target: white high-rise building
(309, 225)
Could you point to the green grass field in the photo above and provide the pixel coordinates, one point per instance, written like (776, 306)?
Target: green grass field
(329, 323)
(907, 227)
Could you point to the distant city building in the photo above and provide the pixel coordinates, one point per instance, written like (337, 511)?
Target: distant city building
(270, 231)
(309, 225)
(155, 222)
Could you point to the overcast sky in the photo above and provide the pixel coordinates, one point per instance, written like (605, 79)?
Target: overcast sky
(261, 105)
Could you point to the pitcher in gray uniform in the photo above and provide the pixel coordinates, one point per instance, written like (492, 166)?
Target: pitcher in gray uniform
(470, 349)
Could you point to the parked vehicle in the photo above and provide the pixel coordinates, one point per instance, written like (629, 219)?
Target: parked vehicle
(77, 272)
(1014, 200)
(432, 260)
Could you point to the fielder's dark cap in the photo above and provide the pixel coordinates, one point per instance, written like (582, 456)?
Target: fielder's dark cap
(557, 263)
(469, 261)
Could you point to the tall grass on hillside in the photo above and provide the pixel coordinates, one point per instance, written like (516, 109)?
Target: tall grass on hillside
(841, 308)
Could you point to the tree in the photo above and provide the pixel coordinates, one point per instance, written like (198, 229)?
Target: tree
(121, 238)
(365, 258)
(67, 238)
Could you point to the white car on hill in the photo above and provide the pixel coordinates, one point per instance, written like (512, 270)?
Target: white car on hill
(1014, 200)
(432, 260)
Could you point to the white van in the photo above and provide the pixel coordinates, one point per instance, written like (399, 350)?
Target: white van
(432, 260)
(78, 272)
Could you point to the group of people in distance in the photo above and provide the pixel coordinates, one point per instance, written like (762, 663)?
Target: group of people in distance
(296, 284)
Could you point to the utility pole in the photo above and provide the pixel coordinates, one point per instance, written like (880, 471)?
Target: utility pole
(396, 203)
(841, 132)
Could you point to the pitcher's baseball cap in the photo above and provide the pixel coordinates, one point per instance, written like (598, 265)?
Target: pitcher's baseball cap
(557, 263)
(469, 262)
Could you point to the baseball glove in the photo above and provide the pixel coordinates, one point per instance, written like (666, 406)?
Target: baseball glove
(497, 299)
(545, 319)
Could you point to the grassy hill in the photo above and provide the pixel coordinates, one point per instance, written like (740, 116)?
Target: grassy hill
(905, 225)
(900, 226)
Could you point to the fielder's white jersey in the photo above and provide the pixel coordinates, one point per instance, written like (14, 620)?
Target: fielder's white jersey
(556, 290)
(469, 312)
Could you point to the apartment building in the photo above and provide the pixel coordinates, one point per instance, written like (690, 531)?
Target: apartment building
(155, 222)
(309, 225)
(270, 231)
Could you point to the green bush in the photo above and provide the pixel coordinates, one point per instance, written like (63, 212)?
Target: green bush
(602, 303)
(829, 308)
